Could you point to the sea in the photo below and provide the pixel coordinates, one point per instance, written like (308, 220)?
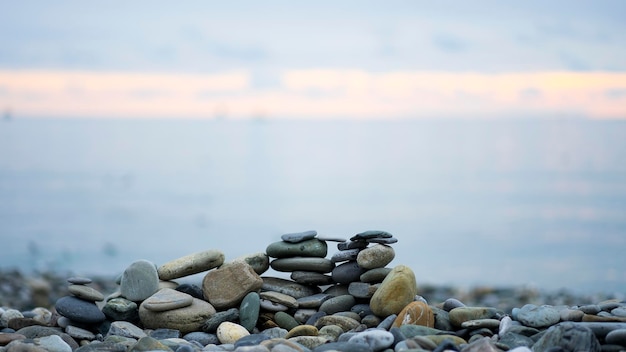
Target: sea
(473, 202)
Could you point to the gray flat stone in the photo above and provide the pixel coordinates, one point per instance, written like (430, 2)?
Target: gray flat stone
(297, 237)
(167, 299)
(320, 265)
(85, 292)
(79, 310)
(307, 248)
(139, 281)
(288, 287)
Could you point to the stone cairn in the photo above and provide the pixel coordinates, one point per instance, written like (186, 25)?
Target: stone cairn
(348, 302)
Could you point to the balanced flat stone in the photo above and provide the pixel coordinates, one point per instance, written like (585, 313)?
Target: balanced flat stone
(347, 272)
(374, 275)
(311, 278)
(320, 265)
(288, 287)
(279, 298)
(227, 286)
(191, 264)
(308, 248)
(371, 234)
(79, 310)
(298, 236)
(167, 299)
(85, 292)
(139, 281)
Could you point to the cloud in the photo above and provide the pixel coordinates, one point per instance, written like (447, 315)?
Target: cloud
(314, 93)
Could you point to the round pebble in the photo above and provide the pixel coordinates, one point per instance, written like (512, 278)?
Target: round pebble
(229, 332)
(79, 310)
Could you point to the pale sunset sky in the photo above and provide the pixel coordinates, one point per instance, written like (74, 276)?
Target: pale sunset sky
(322, 59)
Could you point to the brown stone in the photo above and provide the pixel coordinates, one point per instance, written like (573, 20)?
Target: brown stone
(187, 319)
(396, 291)
(416, 313)
(601, 319)
(18, 323)
(6, 337)
(225, 287)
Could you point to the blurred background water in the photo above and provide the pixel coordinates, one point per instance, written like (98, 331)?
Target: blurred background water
(482, 202)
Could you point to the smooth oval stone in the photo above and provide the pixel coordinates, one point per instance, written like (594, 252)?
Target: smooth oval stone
(249, 310)
(619, 312)
(375, 275)
(191, 264)
(288, 287)
(371, 234)
(126, 329)
(52, 343)
(201, 337)
(452, 303)
(187, 319)
(139, 281)
(568, 336)
(377, 340)
(616, 337)
(376, 256)
(362, 309)
(320, 265)
(285, 321)
(337, 290)
(347, 272)
(79, 333)
(309, 342)
(308, 248)
(395, 292)
(162, 334)
(311, 278)
(338, 304)
(463, 314)
(342, 256)
(211, 324)
(411, 330)
(371, 321)
(302, 330)
(345, 323)
(79, 280)
(298, 237)
(481, 323)
(362, 289)
(79, 310)
(226, 286)
(121, 309)
(416, 313)
(85, 292)
(167, 299)
(279, 298)
(313, 301)
(260, 262)
(538, 316)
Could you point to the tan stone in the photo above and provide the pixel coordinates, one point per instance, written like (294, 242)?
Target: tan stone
(191, 264)
(396, 291)
(416, 313)
(302, 330)
(229, 332)
(376, 256)
(226, 286)
(187, 319)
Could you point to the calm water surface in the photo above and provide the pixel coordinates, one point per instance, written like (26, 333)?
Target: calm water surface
(472, 202)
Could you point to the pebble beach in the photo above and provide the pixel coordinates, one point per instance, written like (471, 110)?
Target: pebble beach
(292, 296)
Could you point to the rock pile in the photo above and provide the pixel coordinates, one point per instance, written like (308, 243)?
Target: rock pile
(349, 302)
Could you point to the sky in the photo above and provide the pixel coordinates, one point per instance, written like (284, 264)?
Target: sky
(320, 60)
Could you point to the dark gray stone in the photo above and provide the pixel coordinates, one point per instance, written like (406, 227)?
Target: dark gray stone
(214, 321)
(194, 291)
(348, 245)
(347, 272)
(285, 320)
(320, 265)
(371, 234)
(202, 338)
(314, 318)
(79, 280)
(538, 316)
(342, 256)
(375, 275)
(362, 289)
(308, 248)
(362, 309)
(451, 303)
(390, 240)
(161, 334)
(311, 278)
(313, 301)
(249, 310)
(79, 310)
(513, 340)
(617, 337)
(568, 336)
(297, 237)
(338, 304)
